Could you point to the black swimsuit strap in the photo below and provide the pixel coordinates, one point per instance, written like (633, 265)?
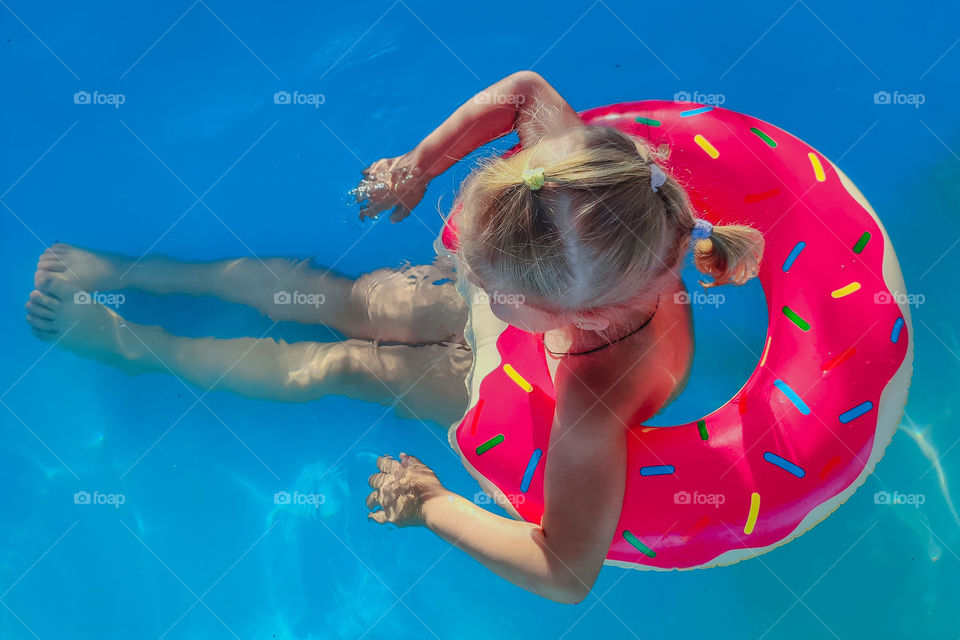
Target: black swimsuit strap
(612, 342)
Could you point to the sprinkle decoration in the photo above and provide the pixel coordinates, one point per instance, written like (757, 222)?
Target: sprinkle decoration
(792, 396)
(706, 146)
(754, 512)
(797, 248)
(657, 470)
(795, 318)
(817, 167)
(840, 359)
(784, 464)
(531, 467)
(476, 416)
(489, 444)
(516, 377)
(760, 197)
(648, 121)
(639, 546)
(856, 412)
(843, 292)
(695, 112)
(897, 328)
(702, 428)
(760, 134)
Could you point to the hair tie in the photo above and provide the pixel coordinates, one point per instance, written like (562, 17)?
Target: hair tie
(533, 178)
(701, 230)
(657, 176)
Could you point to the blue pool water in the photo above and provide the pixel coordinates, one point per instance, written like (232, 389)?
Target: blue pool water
(199, 549)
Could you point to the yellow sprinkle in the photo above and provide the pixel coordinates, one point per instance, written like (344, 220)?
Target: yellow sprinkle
(706, 146)
(845, 291)
(754, 510)
(516, 377)
(817, 167)
(766, 350)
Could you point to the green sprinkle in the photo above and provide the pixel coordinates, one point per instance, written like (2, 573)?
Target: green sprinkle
(649, 121)
(702, 426)
(862, 242)
(796, 319)
(490, 444)
(639, 546)
(760, 134)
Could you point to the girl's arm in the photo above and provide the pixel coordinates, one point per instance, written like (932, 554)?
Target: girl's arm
(523, 102)
(584, 482)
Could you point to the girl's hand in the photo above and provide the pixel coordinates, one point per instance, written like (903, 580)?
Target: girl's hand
(402, 488)
(391, 182)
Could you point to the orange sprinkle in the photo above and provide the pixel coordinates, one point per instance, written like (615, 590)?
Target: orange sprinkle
(761, 196)
(476, 416)
(766, 350)
(699, 526)
(840, 359)
(830, 466)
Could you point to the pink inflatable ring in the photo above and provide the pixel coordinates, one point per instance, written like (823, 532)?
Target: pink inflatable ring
(814, 417)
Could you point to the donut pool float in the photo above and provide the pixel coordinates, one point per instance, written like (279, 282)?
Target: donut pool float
(814, 417)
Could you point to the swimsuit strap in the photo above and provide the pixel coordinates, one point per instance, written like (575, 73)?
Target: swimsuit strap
(612, 342)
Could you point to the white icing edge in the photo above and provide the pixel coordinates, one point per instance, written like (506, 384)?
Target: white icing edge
(486, 359)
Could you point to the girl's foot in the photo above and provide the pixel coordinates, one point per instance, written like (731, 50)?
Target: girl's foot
(60, 311)
(87, 270)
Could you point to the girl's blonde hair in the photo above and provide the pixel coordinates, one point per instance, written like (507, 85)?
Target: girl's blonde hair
(597, 237)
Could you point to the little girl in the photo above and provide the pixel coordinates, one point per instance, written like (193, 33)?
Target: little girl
(579, 237)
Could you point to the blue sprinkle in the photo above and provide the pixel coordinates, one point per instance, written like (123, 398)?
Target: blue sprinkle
(897, 326)
(693, 112)
(792, 397)
(531, 467)
(784, 464)
(442, 281)
(657, 470)
(793, 255)
(856, 412)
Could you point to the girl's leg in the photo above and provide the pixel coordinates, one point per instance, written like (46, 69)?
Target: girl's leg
(425, 382)
(414, 305)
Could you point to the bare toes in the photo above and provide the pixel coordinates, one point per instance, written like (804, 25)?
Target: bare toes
(51, 264)
(38, 310)
(42, 299)
(43, 324)
(51, 284)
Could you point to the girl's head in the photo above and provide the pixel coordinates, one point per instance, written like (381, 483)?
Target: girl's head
(596, 240)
